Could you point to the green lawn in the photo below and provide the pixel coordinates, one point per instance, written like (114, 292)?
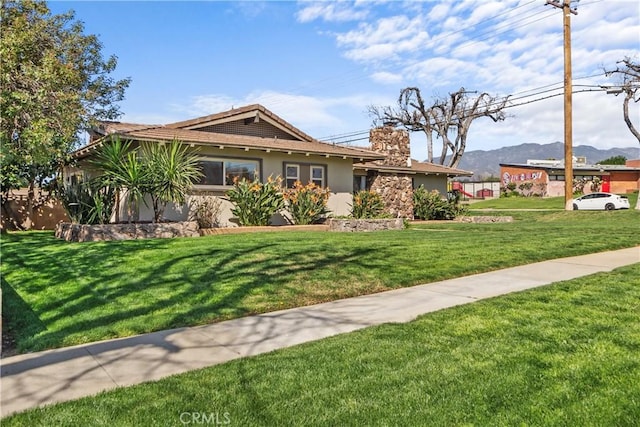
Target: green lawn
(567, 354)
(57, 293)
(519, 203)
(531, 203)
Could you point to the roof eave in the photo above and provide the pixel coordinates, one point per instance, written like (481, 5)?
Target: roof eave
(360, 157)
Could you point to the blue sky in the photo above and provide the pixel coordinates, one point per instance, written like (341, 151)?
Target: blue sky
(319, 65)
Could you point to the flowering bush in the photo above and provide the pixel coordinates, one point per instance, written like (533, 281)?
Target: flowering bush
(307, 204)
(367, 204)
(256, 202)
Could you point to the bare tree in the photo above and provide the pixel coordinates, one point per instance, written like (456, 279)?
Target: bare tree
(629, 73)
(449, 118)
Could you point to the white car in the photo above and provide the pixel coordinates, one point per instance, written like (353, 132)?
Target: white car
(600, 201)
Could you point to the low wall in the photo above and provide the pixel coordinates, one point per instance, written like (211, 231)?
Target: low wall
(45, 216)
(91, 233)
(365, 224)
(486, 219)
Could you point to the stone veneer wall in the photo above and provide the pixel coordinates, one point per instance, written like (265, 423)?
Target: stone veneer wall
(365, 224)
(394, 143)
(396, 189)
(90, 233)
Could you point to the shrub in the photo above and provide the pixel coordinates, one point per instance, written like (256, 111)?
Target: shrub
(431, 205)
(307, 204)
(88, 202)
(367, 204)
(509, 190)
(205, 211)
(256, 202)
(172, 171)
(164, 172)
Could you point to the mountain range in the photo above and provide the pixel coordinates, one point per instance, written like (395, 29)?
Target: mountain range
(484, 164)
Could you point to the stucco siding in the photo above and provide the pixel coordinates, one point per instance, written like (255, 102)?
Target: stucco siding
(339, 178)
(431, 182)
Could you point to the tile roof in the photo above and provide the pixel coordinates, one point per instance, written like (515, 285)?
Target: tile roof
(186, 131)
(106, 127)
(163, 133)
(416, 168)
(231, 114)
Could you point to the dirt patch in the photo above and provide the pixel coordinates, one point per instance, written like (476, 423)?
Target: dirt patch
(9, 347)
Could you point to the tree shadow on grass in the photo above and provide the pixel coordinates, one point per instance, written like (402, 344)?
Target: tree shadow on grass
(17, 316)
(84, 295)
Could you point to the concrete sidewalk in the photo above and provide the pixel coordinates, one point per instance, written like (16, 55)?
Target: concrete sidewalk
(37, 379)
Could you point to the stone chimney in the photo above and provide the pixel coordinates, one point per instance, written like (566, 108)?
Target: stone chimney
(396, 189)
(392, 142)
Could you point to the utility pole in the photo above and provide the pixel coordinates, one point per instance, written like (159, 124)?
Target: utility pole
(565, 5)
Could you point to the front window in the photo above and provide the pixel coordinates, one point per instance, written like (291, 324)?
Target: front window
(317, 175)
(305, 173)
(293, 174)
(224, 171)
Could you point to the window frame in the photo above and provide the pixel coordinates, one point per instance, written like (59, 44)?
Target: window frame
(305, 169)
(286, 174)
(322, 179)
(224, 160)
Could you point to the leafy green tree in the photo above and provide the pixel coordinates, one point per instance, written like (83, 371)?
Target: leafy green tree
(54, 83)
(614, 160)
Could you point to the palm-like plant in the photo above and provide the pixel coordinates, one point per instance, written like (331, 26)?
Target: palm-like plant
(121, 168)
(172, 170)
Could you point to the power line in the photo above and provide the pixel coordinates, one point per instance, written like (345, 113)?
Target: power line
(488, 33)
(538, 91)
(593, 88)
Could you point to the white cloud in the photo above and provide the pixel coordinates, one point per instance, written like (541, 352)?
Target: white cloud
(509, 47)
(203, 105)
(484, 11)
(442, 46)
(440, 72)
(385, 77)
(439, 12)
(330, 12)
(386, 39)
(317, 116)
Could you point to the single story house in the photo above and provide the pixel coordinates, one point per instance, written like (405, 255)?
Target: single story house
(252, 142)
(546, 177)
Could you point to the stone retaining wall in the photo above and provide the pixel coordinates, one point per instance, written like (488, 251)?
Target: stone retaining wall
(91, 233)
(486, 219)
(365, 224)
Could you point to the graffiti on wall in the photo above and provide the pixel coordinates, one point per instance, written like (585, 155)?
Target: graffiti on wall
(520, 177)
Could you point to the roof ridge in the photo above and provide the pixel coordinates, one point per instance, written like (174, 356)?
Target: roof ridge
(241, 110)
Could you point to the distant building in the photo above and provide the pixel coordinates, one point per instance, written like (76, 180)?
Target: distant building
(547, 176)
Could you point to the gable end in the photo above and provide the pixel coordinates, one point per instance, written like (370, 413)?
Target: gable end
(249, 127)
